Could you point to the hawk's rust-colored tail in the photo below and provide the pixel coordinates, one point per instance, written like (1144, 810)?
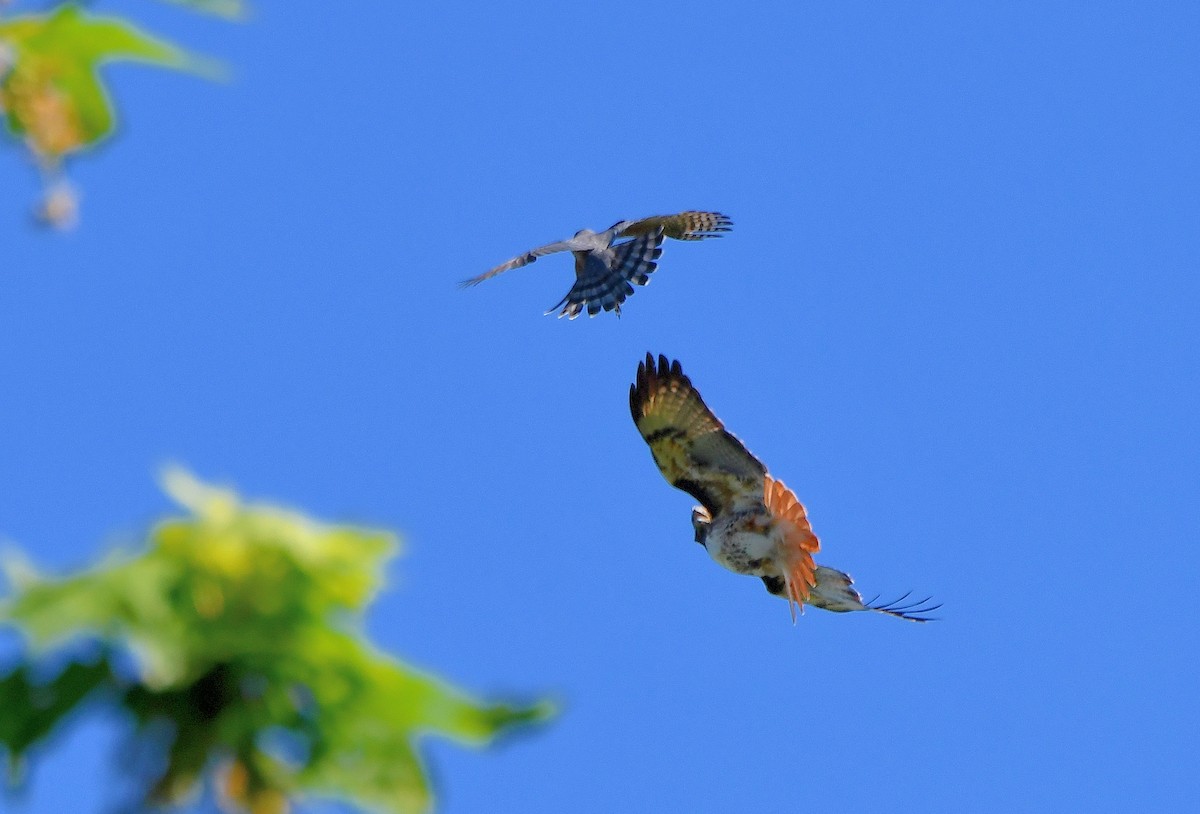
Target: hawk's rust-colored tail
(798, 545)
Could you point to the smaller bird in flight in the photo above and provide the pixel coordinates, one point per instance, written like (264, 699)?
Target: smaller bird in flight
(747, 521)
(604, 268)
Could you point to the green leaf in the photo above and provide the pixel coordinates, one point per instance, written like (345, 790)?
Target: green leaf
(53, 94)
(33, 708)
(380, 707)
(229, 9)
(246, 622)
(71, 34)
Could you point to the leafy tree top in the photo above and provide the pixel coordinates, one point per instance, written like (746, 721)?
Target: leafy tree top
(52, 94)
(245, 626)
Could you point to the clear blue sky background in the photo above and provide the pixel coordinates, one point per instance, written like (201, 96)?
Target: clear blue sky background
(958, 314)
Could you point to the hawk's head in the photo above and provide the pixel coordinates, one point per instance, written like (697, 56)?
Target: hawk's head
(701, 521)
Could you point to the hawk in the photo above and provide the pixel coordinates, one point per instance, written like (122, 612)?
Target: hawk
(747, 521)
(605, 268)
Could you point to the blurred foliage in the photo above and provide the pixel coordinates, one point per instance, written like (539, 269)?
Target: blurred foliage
(51, 93)
(248, 662)
(233, 9)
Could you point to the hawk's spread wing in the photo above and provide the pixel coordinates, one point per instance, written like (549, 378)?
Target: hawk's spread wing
(689, 443)
(522, 260)
(690, 225)
(603, 276)
(834, 590)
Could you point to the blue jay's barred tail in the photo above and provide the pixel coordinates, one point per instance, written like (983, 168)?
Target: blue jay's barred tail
(603, 277)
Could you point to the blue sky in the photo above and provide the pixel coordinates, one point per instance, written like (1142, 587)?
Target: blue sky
(957, 315)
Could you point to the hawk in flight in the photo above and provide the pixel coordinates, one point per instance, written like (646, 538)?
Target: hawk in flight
(748, 521)
(604, 268)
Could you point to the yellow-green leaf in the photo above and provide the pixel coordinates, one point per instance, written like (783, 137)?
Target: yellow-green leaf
(53, 94)
(230, 9)
(245, 623)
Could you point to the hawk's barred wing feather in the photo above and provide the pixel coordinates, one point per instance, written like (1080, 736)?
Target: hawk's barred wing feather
(690, 225)
(690, 445)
